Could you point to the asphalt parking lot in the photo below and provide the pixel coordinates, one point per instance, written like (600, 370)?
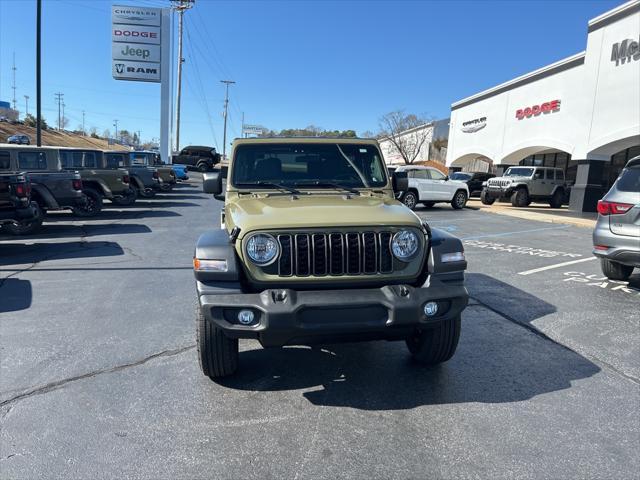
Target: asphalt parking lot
(99, 376)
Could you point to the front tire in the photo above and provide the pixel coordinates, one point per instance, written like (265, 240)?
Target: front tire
(615, 270)
(520, 198)
(459, 200)
(93, 206)
(128, 199)
(556, 199)
(217, 353)
(202, 167)
(410, 200)
(27, 228)
(485, 199)
(434, 345)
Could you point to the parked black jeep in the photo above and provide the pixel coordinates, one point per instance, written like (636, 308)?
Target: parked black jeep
(202, 159)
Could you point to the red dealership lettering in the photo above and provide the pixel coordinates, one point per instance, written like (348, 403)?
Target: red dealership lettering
(134, 33)
(546, 107)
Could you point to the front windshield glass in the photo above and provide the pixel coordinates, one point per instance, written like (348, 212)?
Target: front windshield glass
(519, 172)
(308, 165)
(460, 176)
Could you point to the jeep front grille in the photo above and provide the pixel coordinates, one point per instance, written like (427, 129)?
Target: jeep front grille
(319, 254)
(499, 183)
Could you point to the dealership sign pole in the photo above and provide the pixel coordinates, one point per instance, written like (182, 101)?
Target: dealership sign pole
(140, 52)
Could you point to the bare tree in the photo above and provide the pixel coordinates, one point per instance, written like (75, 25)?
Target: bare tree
(401, 130)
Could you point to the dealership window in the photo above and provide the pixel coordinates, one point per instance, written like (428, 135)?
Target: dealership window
(550, 160)
(32, 161)
(562, 160)
(616, 164)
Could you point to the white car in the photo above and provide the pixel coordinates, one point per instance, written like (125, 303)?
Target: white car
(430, 186)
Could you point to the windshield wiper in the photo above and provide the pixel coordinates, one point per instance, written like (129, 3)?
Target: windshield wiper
(319, 183)
(269, 184)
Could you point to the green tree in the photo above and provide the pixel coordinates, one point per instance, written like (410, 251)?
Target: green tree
(31, 121)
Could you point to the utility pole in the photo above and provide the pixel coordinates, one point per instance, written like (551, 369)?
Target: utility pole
(84, 132)
(63, 119)
(181, 6)
(59, 100)
(14, 81)
(139, 138)
(226, 107)
(26, 105)
(242, 131)
(115, 124)
(38, 73)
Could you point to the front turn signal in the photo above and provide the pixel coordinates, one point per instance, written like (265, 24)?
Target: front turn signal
(202, 265)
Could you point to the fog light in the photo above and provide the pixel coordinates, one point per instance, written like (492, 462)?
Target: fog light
(430, 309)
(246, 317)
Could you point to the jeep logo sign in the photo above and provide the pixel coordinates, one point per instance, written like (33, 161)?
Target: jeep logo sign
(624, 51)
(136, 52)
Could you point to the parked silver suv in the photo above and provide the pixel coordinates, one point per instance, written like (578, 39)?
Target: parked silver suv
(523, 185)
(616, 238)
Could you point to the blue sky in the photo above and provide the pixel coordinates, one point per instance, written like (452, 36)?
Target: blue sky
(334, 64)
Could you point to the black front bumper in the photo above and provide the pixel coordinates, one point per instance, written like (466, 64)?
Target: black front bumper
(498, 192)
(291, 317)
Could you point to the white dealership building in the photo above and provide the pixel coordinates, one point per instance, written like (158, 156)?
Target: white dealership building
(581, 114)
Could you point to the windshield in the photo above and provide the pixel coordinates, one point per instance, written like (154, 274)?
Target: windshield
(519, 172)
(309, 165)
(460, 176)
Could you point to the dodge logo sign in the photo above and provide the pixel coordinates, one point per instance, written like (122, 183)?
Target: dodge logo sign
(546, 107)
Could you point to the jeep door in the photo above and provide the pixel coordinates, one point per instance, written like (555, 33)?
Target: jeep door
(549, 182)
(536, 184)
(440, 185)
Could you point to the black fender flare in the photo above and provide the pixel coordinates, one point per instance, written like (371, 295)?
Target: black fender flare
(135, 179)
(443, 242)
(43, 193)
(216, 244)
(558, 187)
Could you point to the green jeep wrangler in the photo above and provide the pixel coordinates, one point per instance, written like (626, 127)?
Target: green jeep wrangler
(314, 248)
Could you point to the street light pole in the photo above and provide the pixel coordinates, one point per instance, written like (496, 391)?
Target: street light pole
(26, 105)
(226, 107)
(181, 7)
(38, 74)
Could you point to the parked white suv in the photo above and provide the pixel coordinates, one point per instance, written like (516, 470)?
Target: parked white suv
(430, 186)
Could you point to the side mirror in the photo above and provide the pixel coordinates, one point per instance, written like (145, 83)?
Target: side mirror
(212, 183)
(400, 181)
(446, 178)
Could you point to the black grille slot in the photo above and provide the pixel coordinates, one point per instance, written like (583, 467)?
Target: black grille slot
(285, 267)
(336, 248)
(386, 260)
(353, 253)
(319, 254)
(369, 252)
(302, 255)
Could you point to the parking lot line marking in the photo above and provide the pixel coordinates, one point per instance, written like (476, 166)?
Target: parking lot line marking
(557, 265)
(475, 237)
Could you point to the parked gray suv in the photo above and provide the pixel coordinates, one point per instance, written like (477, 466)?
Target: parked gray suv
(523, 185)
(616, 238)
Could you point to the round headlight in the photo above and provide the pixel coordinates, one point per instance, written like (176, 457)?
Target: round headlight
(405, 245)
(262, 249)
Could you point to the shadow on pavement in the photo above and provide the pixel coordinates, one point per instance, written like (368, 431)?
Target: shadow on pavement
(162, 203)
(20, 253)
(55, 230)
(496, 362)
(112, 214)
(15, 295)
(510, 301)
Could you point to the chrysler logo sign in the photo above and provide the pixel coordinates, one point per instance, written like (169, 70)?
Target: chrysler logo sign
(474, 125)
(624, 51)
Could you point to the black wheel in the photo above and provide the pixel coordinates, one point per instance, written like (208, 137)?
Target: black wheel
(128, 199)
(520, 198)
(93, 205)
(147, 193)
(433, 345)
(459, 200)
(429, 204)
(410, 199)
(556, 199)
(217, 353)
(202, 167)
(615, 270)
(27, 228)
(485, 199)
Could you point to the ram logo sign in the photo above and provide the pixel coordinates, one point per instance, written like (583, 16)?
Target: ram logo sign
(625, 51)
(141, 71)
